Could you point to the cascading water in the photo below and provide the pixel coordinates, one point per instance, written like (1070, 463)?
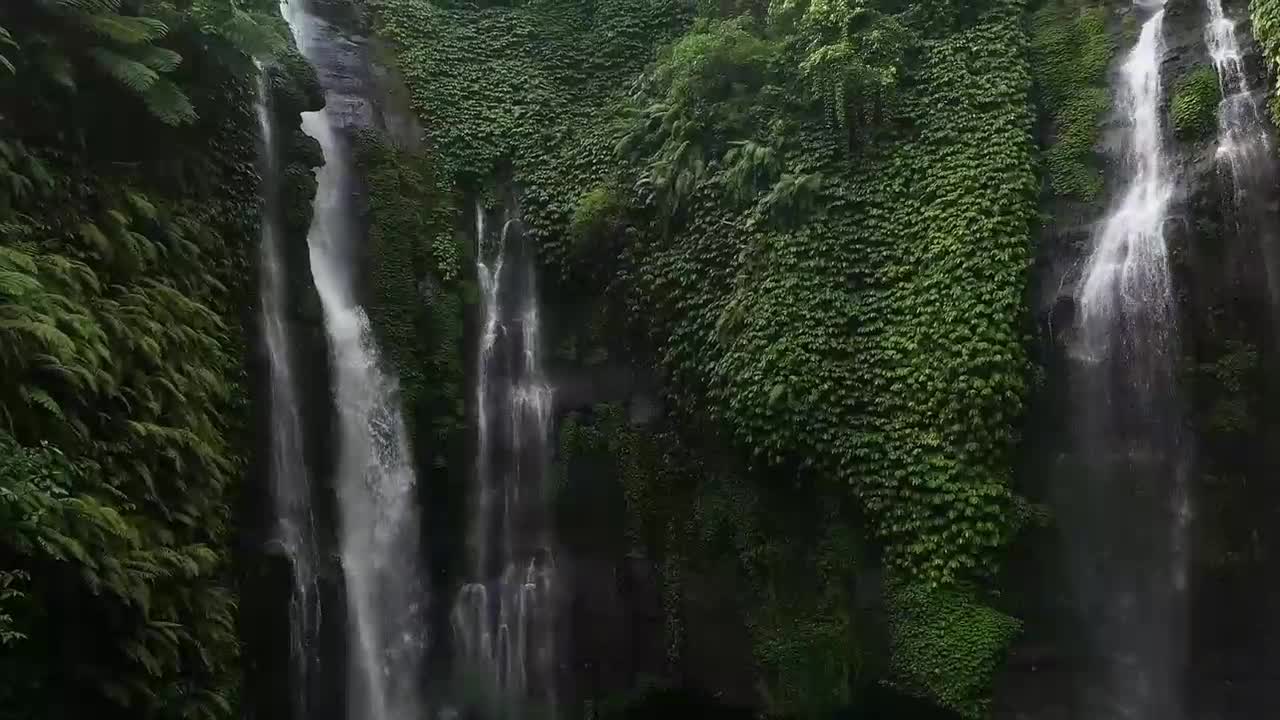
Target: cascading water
(1243, 136)
(378, 524)
(289, 476)
(1245, 147)
(1124, 502)
(1126, 287)
(502, 619)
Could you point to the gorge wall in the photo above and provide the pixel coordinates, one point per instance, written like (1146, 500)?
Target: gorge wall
(715, 285)
(793, 308)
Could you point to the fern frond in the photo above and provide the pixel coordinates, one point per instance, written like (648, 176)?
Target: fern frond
(126, 71)
(54, 340)
(17, 285)
(168, 103)
(55, 65)
(87, 6)
(91, 234)
(124, 30)
(38, 397)
(7, 41)
(162, 60)
(252, 34)
(17, 260)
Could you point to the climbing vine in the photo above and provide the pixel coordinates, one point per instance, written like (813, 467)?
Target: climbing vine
(1071, 51)
(819, 343)
(1265, 20)
(417, 281)
(948, 645)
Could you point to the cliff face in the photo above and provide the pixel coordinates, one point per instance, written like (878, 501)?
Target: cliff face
(749, 393)
(360, 93)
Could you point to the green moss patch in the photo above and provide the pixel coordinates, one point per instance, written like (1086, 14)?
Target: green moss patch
(1194, 108)
(1070, 53)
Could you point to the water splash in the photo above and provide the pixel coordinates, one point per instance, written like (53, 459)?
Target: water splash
(1242, 129)
(290, 480)
(503, 618)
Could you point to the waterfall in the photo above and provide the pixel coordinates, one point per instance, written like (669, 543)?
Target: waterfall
(502, 618)
(289, 477)
(1126, 280)
(1244, 148)
(1123, 497)
(1242, 130)
(378, 524)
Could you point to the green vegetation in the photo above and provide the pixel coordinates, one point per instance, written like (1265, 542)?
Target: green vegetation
(418, 283)
(828, 271)
(1070, 53)
(127, 211)
(1194, 108)
(808, 222)
(948, 645)
(1265, 20)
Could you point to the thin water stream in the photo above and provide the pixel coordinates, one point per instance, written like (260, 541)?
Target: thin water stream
(1245, 151)
(290, 481)
(503, 617)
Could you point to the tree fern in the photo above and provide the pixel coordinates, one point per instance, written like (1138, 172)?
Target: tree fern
(121, 29)
(126, 369)
(167, 102)
(134, 75)
(7, 45)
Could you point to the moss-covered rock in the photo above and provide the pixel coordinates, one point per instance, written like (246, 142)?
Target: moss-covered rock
(946, 645)
(1194, 108)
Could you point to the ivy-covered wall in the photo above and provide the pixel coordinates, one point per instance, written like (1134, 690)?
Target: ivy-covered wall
(826, 275)
(1071, 55)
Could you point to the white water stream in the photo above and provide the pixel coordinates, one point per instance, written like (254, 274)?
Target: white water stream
(289, 476)
(1126, 287)
(378, 523)
(503, 617)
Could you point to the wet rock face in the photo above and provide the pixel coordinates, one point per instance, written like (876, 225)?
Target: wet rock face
(362, 93)
(1228, 340)
(357, 89)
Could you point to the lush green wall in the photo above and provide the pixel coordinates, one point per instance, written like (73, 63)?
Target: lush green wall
(128, 219)
(1071, 53)
(771, 214)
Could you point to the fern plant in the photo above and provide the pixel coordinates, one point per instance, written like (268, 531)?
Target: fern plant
(66, 39)
(7, 45)
(850, 54)
(119, 349)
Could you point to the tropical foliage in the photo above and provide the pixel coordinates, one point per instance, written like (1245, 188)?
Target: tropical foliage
(807, 222)
(1071, 52)
(763, 202)
(127, 204)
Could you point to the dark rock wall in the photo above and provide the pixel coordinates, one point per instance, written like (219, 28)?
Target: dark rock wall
(267, 581)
